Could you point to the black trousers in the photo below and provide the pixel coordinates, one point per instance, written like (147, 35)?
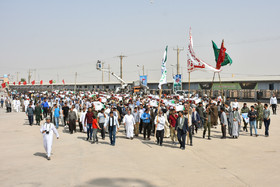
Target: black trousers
(102, 131)
(72, 125)
(224, 130)
(45, 111)
(9, 109)
(147, 129)
(181, 138)
(245, 126)
(274, 108)
(159, 135)
(81, 126)
(141, 126)
(194, 127)
(65, 120)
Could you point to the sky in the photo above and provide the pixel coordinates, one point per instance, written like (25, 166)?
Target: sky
(61, 37)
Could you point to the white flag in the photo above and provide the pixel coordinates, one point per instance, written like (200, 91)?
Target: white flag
(163, 69)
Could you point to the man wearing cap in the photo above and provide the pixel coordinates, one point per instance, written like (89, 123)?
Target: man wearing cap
(47, 129)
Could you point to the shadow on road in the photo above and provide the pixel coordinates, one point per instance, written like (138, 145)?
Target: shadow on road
(118, 182)
(40, 154)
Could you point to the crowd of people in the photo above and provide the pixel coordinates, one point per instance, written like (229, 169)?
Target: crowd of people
(173, 117)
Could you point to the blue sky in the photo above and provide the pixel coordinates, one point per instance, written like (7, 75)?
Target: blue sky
(66, 36)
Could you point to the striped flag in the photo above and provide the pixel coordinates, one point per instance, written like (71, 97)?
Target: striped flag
(163, 69)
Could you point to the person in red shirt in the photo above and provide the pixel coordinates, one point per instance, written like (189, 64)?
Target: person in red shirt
(172, 120)
(95, 126)
(88, 120)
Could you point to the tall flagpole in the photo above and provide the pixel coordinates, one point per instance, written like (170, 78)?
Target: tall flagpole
(221, 88)
(212, 85)
(160, 91)
(189, 106)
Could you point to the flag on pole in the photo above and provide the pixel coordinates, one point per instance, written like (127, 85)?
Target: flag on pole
(41, 82)
(19, 83)
(194, 63)
(63, 81)
(3, 85)
(163, 69)
(8, 82)
(14, 83)
(227, 60)
(24, 83)
(33, 82)
(50, 81)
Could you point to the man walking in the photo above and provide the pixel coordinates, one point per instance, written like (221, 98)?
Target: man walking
(101, 120)
(252, 117)
(266, 119)
(30, 113)
(159, 122)
(136, 116)
(273, 103)
(224, 123)
(56, 112)
(47, 130)
(146, 119)
(244, 112)
(260, 115)
(72, 119)
(129, 122)
(113, 124)
(182, 128)
(172, 120)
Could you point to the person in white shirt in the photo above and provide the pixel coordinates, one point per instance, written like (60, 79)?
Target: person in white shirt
(129, 123)
(113, 124)
(82, 119)
(235, 104)
(47, 129)
(273, 103)
(101, 120)
(159, 122)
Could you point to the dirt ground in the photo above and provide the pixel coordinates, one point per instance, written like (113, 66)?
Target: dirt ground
(247, 161)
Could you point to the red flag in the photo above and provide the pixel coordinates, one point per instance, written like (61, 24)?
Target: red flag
(222, 55)
(50, 81)
(8, 82)
(41, 82)
(3, 85)
(63, 81)
(19, 83)
(24, 83)
(33, 82)
(14, 83)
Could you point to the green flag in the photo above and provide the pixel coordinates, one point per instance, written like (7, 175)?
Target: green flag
(227, 60)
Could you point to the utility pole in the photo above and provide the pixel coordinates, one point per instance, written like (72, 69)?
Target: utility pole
(75, 83)
(121, 71)
(178, 52)
(143, 70)
(109, 72)
(102, 72)
(17, 75)
(29, 76)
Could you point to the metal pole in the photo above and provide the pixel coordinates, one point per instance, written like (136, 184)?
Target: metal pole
(102, 72)
(75, 83)
(143, 70)
(189, 105)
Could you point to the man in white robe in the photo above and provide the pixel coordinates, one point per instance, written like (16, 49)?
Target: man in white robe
(82, 119)
(17, 105)
(129, 123)
(47, 129)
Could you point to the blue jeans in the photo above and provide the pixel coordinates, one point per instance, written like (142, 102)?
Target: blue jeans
(112, 134)
(266, 125)
(30, 119)
(89, 130)
(253, 124)
(56, 121)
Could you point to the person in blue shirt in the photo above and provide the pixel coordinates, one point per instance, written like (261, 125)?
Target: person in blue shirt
(56, 112)
(146, 118)
(45, 106)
